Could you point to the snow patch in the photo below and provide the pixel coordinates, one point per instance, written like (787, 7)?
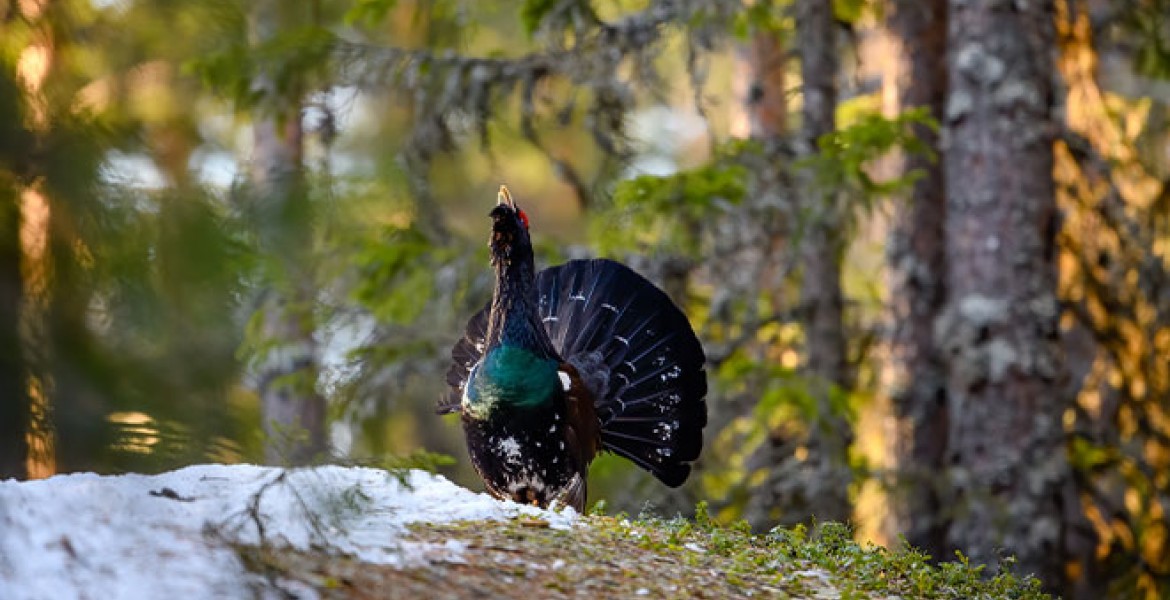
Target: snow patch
(138, 536)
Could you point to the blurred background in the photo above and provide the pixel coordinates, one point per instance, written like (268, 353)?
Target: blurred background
(924, 242)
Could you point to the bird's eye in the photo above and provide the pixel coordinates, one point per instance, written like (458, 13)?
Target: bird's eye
(523, 218)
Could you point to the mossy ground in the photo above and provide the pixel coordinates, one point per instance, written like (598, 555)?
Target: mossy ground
(607, 557)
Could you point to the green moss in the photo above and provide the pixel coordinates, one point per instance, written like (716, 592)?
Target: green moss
(618, 557)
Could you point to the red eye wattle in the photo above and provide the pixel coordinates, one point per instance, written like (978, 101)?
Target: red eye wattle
(523, 218)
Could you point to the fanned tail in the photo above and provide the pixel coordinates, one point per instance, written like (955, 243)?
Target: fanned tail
(637, 353)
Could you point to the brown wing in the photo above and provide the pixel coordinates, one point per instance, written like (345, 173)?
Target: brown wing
(582, 433)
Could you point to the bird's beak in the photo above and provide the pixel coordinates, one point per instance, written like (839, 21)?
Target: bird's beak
(504, 198)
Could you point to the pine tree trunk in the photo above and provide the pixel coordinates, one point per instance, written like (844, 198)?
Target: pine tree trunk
(293, 412)
(822, 245)
(14, 399)
(821, 293)
(763, 116)
(1000, 329)
(80, 409)
(917, 259)
(38, 234)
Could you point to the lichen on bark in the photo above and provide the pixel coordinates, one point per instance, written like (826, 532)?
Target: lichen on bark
(1000, 331)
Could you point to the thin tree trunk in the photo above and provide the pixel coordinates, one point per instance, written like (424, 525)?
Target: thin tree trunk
(15, 403)
(762, 235)
(292, 411)
(822, 245)
(84, 436)
(917, 259)
(14, 399)
(35, 220)
(821, 293)
(1000, 330)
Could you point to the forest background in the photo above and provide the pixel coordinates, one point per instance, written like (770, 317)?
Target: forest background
(924, 242)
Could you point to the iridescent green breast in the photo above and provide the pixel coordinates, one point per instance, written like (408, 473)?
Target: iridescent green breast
(509, 376)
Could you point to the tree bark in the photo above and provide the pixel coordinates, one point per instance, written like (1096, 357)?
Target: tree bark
(917, 262)
(293, 412)
(1000, 329)
(821, 292)
(14, 398)
(762, 116)
(37, 237)
(79, 407)
(822, 245)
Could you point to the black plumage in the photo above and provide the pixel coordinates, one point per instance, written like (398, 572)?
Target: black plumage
(629, 367)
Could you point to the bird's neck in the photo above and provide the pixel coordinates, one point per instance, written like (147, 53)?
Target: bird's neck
(514, 319)
(519, 365)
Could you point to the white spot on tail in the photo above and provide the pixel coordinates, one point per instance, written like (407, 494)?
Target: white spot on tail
(566, 383)
(673, 373)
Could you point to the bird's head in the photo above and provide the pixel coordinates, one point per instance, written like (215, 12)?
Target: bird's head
(509, 241)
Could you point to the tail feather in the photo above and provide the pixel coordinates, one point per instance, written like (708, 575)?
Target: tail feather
(652, 409)
(636, 457)
(564, 300)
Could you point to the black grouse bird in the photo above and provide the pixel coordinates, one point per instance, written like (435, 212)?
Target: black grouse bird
(582, 357)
